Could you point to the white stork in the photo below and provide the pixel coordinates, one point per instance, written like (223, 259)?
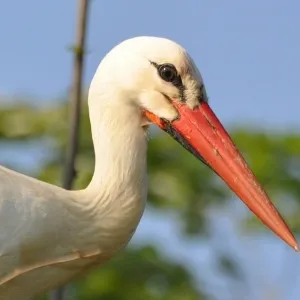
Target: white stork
(48, 234)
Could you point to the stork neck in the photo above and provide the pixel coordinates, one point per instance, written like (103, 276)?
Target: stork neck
(120, 147)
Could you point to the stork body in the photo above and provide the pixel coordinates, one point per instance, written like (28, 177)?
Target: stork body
(48, 235)
(52, 234)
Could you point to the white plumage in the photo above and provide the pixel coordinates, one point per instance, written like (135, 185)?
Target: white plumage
(48, 234)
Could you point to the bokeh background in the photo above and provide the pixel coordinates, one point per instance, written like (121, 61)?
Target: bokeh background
(196, 240)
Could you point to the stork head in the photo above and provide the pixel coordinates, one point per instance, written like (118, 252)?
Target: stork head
(157, 76)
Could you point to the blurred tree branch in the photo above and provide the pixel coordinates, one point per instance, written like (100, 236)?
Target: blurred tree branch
(72, 145)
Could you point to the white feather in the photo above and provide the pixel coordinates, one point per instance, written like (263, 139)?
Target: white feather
(47, 234)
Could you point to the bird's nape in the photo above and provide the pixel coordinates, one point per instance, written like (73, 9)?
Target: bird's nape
(200, 132)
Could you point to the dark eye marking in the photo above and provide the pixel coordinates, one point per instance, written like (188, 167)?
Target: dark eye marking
(202, 94)
(168, 73)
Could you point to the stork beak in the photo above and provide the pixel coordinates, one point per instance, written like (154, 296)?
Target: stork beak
(201, 133)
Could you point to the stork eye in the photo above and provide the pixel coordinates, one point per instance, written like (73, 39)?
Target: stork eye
(167, 72)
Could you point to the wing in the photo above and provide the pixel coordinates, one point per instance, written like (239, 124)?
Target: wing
(37, 248)
(39, 279)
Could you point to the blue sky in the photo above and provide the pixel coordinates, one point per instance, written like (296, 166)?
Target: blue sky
(247, 52)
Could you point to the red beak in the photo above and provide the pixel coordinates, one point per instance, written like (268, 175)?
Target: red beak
(200, 132)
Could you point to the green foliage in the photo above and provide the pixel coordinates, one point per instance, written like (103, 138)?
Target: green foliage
(275, 159)
(138, 274)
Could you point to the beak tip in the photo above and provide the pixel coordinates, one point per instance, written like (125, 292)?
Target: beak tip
(297, 248)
